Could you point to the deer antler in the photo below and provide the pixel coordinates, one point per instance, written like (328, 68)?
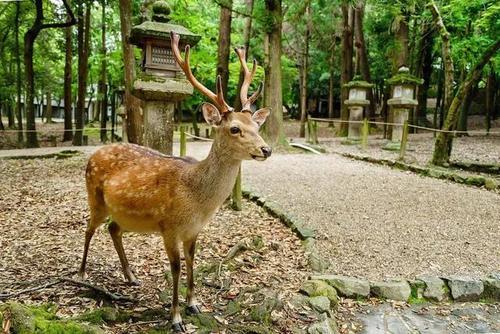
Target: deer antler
(218, 97)
(246, 101)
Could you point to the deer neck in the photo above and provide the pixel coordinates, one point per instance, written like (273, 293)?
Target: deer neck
(215, 176)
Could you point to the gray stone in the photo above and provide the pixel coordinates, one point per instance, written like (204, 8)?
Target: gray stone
(320, 304)
(465, 289)
(302, 231)
(326, 326)
(317, 263)
(435, 288)
(417, 288)
(346, 286)
(491, 289)
(314, 288)
(395, 290)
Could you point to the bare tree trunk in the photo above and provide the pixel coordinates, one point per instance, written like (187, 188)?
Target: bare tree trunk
(247, 32)
(18, 76)
(10, 114)
(446, 55)
(132, 103)
(362, 53)
(490, 97)
(424, 70)
(303, 71)
(443, 145)
(331, 81)
(224, 44)
(402, 40)
(273, 128)
(48, 114)
(68, 79)
(83, 56)
(464, 111)
(102, 80)
(346, 68)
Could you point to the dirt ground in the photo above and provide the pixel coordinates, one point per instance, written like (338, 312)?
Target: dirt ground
(43, 214)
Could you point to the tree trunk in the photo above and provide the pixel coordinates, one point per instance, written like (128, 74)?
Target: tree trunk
(346, 66)
(48, 114)
(362, 53)
(18, 76)
(83, 56)
(446, 55)
(402, 39)
(247, 32)
(68, 79)
(303, 71)
(442, 147)
(490, 97)
(224, 44)
(29, 40)
(103, 91)
(464, 111)
(10, 115)
(273, 128)
(132, 104)
(424, 70)
(331, 81)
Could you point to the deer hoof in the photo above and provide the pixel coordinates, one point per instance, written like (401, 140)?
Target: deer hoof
(82, 276)
(179, 327)
(134, 282)
(193, 309)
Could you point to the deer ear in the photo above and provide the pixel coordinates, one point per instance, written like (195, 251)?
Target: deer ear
(260, 115)
(211, 114)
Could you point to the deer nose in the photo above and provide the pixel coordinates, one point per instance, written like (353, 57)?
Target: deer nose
(266, 151)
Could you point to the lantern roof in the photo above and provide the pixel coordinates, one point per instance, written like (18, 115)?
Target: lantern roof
(159, 28)
(404, 77)
(357, 82)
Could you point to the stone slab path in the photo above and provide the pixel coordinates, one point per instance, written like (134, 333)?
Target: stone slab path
(464, 318)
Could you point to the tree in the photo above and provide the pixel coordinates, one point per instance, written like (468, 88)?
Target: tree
(346, 65)
(273, 128)
(102, 85)
(29, 40)
(83, 57)
(19, 115)
(442, 147)
(68, 80)
(424, 70)
(224, 43)
(304, 70)
(132, 104)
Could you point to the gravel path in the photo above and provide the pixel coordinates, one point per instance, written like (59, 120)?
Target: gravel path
(376, 222)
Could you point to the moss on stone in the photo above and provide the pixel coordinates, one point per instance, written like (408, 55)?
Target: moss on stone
(233, 307)
(205, 322)
(104, 315)
(41, 319)
(249, 329)
(404, 78)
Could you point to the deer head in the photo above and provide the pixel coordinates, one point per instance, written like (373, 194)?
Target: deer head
(236, 132)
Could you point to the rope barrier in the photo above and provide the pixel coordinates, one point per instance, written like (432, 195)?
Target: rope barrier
(200, 138)
(56, 130)
(327, 120)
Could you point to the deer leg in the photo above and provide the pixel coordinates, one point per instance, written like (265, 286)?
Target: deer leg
(97, 217)
(189, 250)
(175, 267)
(116, 234)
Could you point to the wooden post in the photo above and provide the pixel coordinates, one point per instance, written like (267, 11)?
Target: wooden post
(309, 126)
(404, 141)
(207, 133)
(237, 195)
(315, 132)
(364, 135)
(182, 130)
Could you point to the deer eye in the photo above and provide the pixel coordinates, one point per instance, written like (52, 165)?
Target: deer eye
(234, 130)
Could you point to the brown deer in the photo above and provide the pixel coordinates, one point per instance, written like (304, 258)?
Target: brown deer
(145, 191)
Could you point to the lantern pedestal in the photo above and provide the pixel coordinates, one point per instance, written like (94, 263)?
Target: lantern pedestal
(358, 90)
(161, 83)
(400, 110)
(160, 96)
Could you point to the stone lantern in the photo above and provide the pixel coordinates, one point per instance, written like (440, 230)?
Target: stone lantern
(161, 82)
(358, 90)
(403, 92)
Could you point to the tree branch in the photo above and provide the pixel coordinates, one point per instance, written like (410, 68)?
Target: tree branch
(224, 5)
(72, 20)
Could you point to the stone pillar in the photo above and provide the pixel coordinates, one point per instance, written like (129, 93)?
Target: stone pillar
(355, 114)
(159, 125)
(400, 116)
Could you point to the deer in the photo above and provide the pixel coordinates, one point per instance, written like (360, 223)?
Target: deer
(145, 191)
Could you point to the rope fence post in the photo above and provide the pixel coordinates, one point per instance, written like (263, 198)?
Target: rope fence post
(309, 125)
(182, 141)
(364, 135)
(315, 133)
(404, 141)
(237, 194)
